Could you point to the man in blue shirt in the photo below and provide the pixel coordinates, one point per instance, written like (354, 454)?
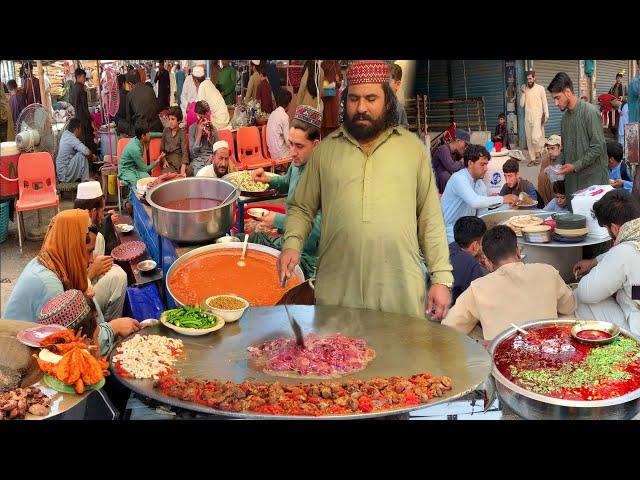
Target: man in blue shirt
(465, 253)
(466, 194)
(618, 171)
(514, 184)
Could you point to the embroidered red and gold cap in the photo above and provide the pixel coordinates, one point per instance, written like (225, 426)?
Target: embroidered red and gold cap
(308, 114)
(67, 309)
(368, 71)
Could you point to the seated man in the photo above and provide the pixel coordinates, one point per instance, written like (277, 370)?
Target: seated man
(304, 136)
(465, 254)
(514, 184)
(132, 166)
(219, 165)
(202, 136)
(609, 289)
(72, 161)
(109, 281)
(618, 171)
(447, 158)
(278, 127)
(514, 292)
(466, 194)
(559, 201)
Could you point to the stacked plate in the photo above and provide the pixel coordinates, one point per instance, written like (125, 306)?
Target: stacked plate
(537, 233)
(570, 228)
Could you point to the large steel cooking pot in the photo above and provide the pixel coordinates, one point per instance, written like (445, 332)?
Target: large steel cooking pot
(223, 246)
(193, 225)
(534, 406)
(562, 256)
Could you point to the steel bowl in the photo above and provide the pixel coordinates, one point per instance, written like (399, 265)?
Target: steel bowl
(534, 406)
(222, 246)
(146, 265)
(193, 226)
(611, 328)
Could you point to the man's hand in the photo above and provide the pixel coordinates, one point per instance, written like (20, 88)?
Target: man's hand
(268, 218)
(523, 88)
(544, 119)
(617, 183)
(582, 267)
(183, 169)
(287, 261)
(100, 265)
(510, 199)
(258, 175)
(125, 326)
(115, 218)
(566, 169)
(165, 164)
(438, 303)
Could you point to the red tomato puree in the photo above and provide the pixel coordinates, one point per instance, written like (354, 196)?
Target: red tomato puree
(192, 204)
(551, 351)
(593, 335)
(216, 273)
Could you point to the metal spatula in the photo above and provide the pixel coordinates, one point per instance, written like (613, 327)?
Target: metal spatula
(296, 328)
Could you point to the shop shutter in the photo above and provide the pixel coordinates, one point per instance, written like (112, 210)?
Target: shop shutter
(545, 71)
(484, 78)
(606, 71)
(431, 79)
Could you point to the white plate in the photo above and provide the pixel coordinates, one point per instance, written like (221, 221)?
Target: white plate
(257, 213)
(124, 227)
(192, 332)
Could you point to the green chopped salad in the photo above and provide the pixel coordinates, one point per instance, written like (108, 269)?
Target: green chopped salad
(190, 317)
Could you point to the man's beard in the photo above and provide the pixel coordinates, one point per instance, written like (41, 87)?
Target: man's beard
(220, 171)
(530, 85)
(364, 132)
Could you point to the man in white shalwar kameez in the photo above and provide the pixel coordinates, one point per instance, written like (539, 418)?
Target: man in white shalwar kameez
(173, 86)
(610, 291)
(536, 114)
(189, 91)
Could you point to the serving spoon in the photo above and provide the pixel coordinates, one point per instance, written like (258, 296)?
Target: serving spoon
(241, 262)
(519, 329)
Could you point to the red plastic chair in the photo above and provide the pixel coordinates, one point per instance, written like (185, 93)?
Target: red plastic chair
(227, 136)
(120, 148)
(265, 147)
(250, 149)
(36, 185)
(154, 153)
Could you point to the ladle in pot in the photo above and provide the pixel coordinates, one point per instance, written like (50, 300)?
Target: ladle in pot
(241, 262)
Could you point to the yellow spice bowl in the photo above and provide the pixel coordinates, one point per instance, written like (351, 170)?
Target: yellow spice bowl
(227, 315)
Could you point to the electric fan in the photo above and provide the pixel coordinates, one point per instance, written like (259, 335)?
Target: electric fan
(34, 129)
(110, 102)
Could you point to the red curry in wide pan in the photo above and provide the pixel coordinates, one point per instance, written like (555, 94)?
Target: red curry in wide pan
(217, 272)
(549, 361)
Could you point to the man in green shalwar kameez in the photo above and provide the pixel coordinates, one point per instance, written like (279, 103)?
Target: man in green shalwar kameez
(380, 212)
(584, 150)
(304, 137)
